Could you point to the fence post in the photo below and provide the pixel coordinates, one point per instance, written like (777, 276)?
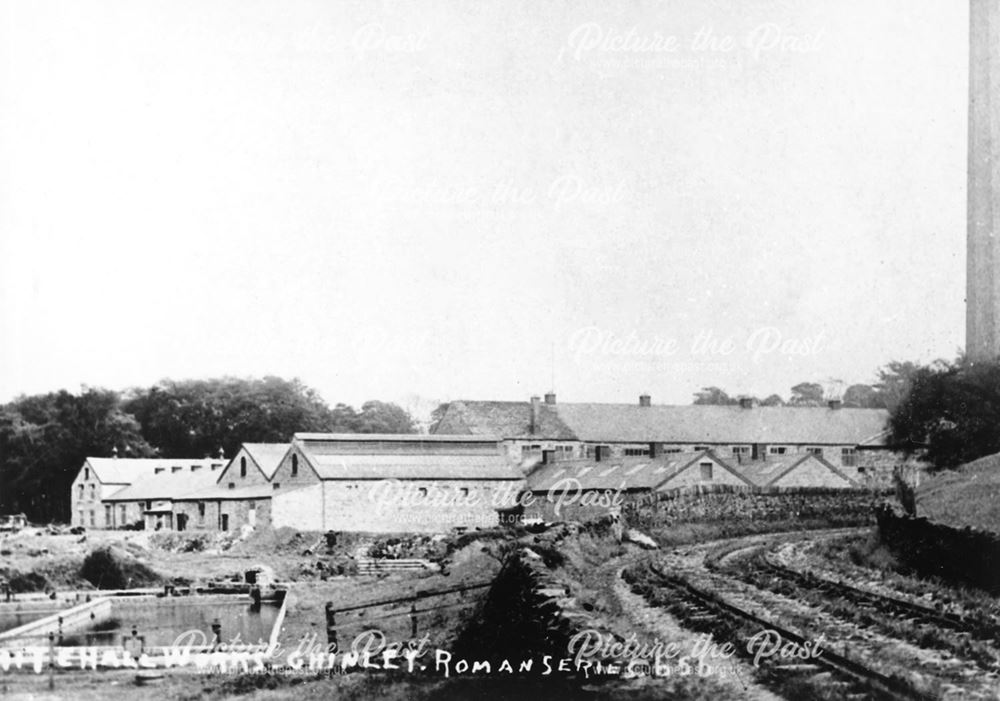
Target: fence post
(413, 619)
(52, 660)
(331, 627)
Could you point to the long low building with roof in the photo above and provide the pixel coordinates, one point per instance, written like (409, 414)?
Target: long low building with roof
(853, 440)
(392, 483)
(99, 479)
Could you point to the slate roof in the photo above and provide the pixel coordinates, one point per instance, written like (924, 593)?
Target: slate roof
(168, 485)
(129, 470)
(765, 473)
(221, 491)
(631, 423)
(402, 467)
(395, 456)
(503, 419)
(267, 456)
(626, 474)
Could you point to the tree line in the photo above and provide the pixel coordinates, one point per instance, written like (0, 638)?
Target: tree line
(45, 438)
(947, 411)
(889, 389)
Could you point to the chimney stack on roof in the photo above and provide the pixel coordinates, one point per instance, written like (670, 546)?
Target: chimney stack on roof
(536, 421)
(550, 397)
(645, 400)
(114, 452)
(222, 453)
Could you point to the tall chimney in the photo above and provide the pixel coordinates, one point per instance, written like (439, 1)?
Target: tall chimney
(535, 424)
(645, 400)
(983, 217)
(550, 397)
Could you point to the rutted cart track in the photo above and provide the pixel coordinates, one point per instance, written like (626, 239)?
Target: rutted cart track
(874, 646)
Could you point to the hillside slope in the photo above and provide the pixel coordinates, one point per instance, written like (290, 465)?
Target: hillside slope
(968, 496)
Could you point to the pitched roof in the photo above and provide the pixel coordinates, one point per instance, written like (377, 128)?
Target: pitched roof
(503, 419)
(765, 473)
(697, 423)
(267, 456)
(355, 466)
(221, 491)
(128, 470)
(627, 474)
(168, 485)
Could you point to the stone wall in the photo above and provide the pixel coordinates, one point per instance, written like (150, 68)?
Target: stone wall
(961, 555)
(761, 504)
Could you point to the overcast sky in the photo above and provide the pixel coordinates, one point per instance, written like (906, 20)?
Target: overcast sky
(475, 200)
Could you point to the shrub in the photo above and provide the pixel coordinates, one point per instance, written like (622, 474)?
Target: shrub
(102, 569)
(105, 570)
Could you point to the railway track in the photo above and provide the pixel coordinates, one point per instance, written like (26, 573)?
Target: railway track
(876, 646)
(882, 604)
(825, 669)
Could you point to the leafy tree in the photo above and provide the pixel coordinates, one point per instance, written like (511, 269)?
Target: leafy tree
(44, 440)
(437, 416)
(861, 396)
(807, 394)
(895, 380)
(384, 417)
(952, 409)
(713, 395)
(773, 400)
(194, 418)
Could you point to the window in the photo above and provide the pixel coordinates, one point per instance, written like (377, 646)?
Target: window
(93, 491)
(195, 468)
(175, 469)
(776, 450)
(232, 485)
(741, 450)
(79, 494)
(464, 491)
(243, 467)
(107, 515)
(277, 485)
(81, 516)
(527, 450)
(706, 470)
(848, 457)
(93, 519)
(701, 447)
(86, 473)
(631, 452)
(158, 470)
(672, 450)
(122, 515)
(201, 510)
(149, 504)
(815, 451)
(295, 465)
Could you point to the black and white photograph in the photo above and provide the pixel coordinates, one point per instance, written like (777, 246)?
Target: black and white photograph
(500, 350)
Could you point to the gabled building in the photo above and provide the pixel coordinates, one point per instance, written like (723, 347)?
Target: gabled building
(803, 470)
(254, 463)
(389, 483)
(854, 440)
(101, 478)
(578, 489)
(151, 500)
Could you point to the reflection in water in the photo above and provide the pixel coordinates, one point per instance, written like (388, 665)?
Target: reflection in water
(161, 621)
